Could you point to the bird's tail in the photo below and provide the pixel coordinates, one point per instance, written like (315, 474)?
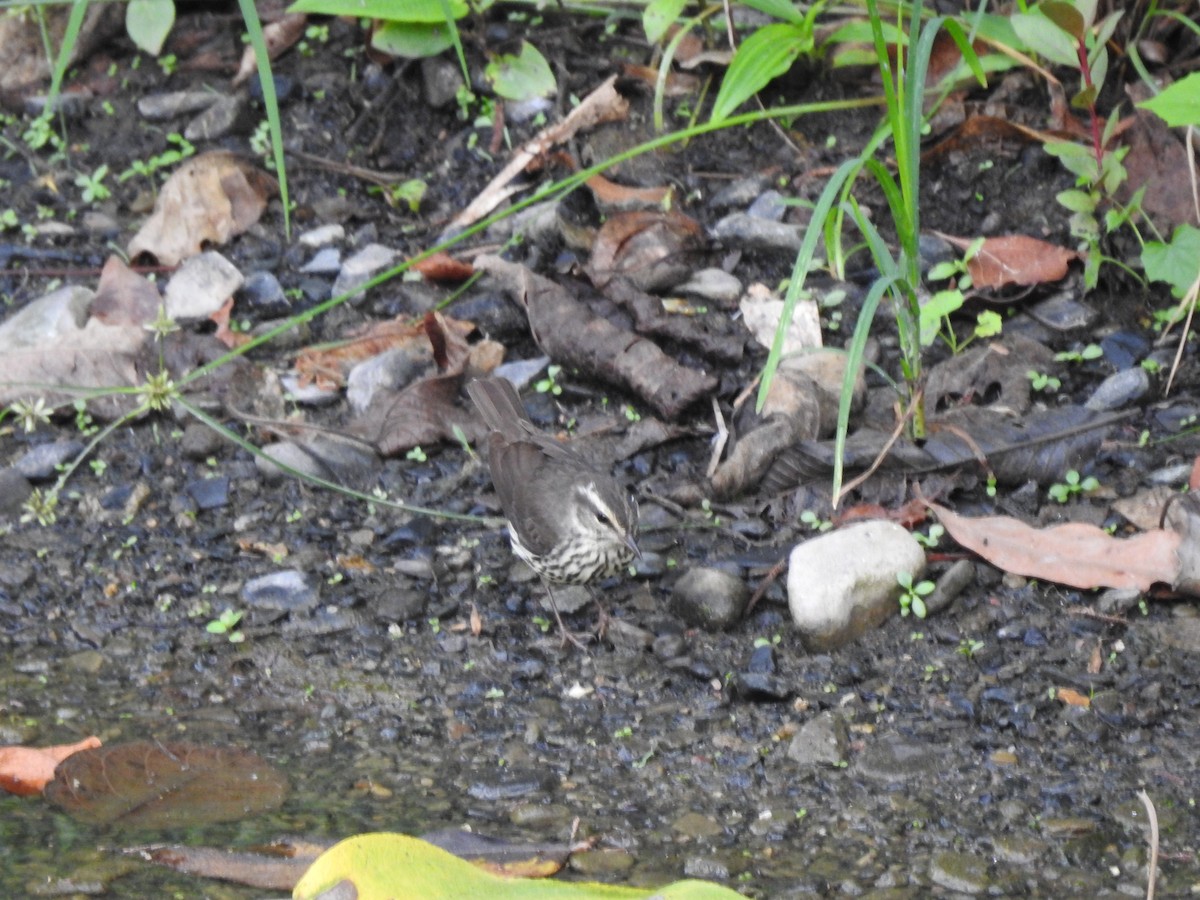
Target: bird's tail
(499, 405)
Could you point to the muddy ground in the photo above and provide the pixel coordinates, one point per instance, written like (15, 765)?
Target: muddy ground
(960, 767)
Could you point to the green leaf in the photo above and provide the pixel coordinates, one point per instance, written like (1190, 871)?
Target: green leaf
(1078, 201)
(989, 324)
(522, 76)
(776, 9)
(1178, 104)
(381, 866)
(428, 11)
(1176, 263)
(658, 16)
(148, 22)
(1044, 37)
(412, 40)
(933, 310)
(762, 57)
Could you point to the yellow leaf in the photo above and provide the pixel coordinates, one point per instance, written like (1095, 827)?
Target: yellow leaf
(398, 867)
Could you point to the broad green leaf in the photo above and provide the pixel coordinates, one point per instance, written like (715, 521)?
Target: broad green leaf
(1043, 37)
(1178, 104)
(428, 11)
(776, 9)
(1078, 159)
(762, 57)
(412, 40)
(148, 22)
(386, 866)
(933, 310)
(1078, 201)
(522, 76)
(1176, 263)
(658, 16)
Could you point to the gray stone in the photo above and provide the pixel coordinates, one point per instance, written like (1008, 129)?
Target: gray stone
(821, 741)
(710, 599)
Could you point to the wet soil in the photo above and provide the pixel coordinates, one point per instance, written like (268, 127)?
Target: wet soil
(956, 767)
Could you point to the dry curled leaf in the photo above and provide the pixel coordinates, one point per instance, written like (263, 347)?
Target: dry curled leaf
(207, 200)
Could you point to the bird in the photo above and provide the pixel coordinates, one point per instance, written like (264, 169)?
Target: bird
(569, 521)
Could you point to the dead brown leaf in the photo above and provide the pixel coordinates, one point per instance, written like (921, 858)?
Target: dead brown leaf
(123, 297)
(1014, 259)
(151, 784)
(27, 770)
(208, 199)
(650, 247)
(1075, 554)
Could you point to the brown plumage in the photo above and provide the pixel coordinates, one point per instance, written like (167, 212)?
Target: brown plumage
(569, 521)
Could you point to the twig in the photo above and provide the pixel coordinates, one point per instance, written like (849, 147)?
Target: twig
(765, 585)
(722, 438)
(1152, 862)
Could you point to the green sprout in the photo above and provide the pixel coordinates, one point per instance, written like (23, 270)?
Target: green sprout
(912, 597)
(227, 624)
(1071, 485)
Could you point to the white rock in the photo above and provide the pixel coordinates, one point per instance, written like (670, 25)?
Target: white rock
(843, 583)
(200, 286)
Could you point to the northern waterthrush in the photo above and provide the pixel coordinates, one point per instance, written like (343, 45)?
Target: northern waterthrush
(571, 522)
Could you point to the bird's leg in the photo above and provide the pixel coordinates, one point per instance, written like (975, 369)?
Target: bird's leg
(568, 636)
(601, 625)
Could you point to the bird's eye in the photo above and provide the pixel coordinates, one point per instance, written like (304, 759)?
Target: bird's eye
(602, 517)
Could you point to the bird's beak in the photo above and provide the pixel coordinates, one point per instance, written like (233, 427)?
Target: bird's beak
(632, 545)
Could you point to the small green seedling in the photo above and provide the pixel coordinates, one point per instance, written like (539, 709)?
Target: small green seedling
(912, 598)
(969, 647)
(814, 521)
(1043, 382)
(1091, 351)
(931, 539)
(549, 384)
(1071, 485)
(226, 624)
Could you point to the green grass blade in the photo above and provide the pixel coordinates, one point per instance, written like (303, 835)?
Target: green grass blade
(270, 102)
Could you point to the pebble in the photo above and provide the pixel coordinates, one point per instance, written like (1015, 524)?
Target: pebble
(201, 286)
(769, 205)
(360, 268)
(218, 120)
(709, 598)
(712, 284)
(263, 294)
(1119, 390)
(1063, 312)
(696, 825)
(894, 760)
(169, 105)
(209, 493)
(752, 233)
(821, 741)
(42, 460)
(962, 872)
(1123, 349)
(322, 236)
(15, 490)
(286, 591)
(955, 580)
(325, 261)
(199, 442)
(843, 583)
